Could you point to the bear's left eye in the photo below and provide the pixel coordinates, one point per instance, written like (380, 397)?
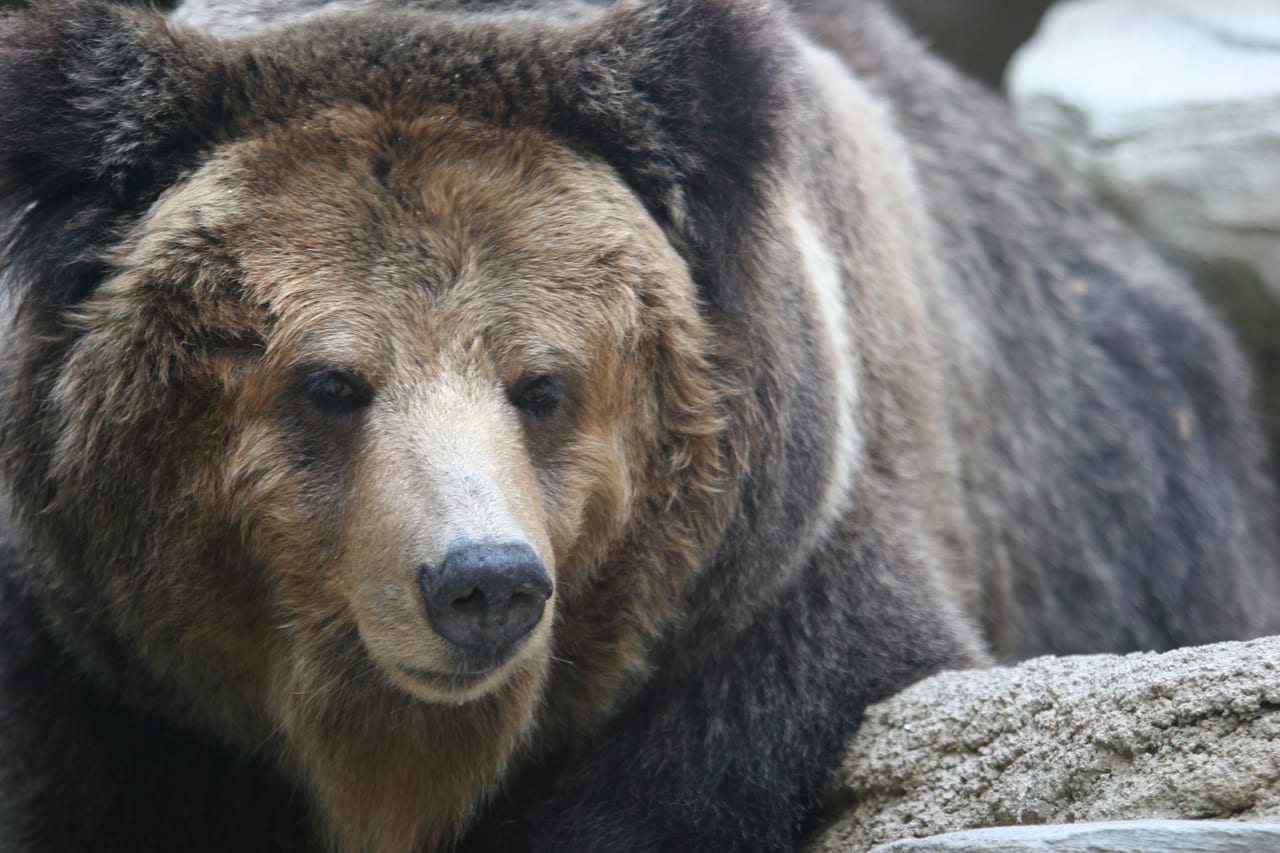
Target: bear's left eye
(335, 392)
(540, 396)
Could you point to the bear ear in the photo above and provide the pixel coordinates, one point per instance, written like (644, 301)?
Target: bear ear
(97, 106)
(690, 100)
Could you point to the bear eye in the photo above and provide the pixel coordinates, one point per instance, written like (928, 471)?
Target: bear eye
(334, 392)
(540, 396)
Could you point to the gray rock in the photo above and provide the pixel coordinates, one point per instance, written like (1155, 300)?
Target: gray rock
(1138, 836)
(1193, 733)
(245, 17)
(1170, 109)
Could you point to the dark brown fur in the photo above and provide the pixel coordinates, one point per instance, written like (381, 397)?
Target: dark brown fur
(851, 377)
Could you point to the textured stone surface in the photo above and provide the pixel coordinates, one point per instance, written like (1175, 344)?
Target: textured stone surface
(1193, 733)
(1138, 836)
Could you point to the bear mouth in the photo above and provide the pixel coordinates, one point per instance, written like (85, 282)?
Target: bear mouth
(449, 681)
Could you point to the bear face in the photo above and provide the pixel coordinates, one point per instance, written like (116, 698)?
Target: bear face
(488, 345)
(405, 336)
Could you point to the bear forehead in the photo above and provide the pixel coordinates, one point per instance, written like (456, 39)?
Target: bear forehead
(416, 218)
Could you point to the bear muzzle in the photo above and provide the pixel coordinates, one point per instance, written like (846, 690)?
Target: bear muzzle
(484, 598)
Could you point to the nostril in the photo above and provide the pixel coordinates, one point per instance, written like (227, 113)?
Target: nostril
(486, 597)
(473, 599)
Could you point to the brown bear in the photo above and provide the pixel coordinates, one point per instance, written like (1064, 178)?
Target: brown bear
(508, 426)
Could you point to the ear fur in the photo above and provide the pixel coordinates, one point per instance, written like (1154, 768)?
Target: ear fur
(97, 105)
(689, 100)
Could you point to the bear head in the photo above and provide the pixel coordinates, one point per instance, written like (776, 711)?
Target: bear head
(378, 374)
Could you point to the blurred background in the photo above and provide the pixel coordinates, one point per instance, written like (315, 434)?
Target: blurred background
(980, 36)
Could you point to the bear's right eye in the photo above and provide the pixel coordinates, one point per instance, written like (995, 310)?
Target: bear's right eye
(334, 392)
(541, 396)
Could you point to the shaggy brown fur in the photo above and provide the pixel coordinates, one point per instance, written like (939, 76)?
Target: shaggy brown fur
(840, 376)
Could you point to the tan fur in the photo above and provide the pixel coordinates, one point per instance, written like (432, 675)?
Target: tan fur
(431, 318)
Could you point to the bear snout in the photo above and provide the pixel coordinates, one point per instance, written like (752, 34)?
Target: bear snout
(485, 597)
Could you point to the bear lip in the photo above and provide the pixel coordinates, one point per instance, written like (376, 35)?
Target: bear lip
(460, 680)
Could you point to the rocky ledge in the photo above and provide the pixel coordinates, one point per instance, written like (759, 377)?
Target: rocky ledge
(1192, 733)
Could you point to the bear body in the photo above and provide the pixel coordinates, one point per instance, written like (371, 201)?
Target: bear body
(511, 427)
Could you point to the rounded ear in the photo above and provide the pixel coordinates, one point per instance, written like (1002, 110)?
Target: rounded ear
(98, 106)
(690, 100)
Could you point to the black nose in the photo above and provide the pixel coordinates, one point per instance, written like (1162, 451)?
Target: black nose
(484, 597)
